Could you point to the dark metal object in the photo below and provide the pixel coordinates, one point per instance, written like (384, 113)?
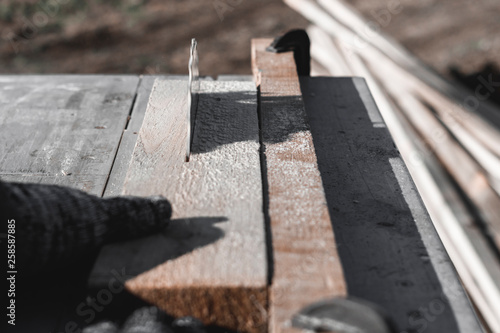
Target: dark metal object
(344, 315)
(298, 42)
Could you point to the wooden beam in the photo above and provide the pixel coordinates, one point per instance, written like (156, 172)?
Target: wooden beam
(211, 263)
(306, 267)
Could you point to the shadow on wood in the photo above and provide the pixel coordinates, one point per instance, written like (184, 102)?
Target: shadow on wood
(181, 237)
(65, 290)
(390, 252)
(208, 132)
(225, 282)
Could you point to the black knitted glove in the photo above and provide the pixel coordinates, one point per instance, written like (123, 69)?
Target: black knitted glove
(56, 225)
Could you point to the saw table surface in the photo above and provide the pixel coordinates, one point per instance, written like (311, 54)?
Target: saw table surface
(80, 131)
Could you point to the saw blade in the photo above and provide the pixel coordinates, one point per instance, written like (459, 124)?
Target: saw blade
(193, 93)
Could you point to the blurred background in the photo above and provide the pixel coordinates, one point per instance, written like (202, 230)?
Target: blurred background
(456, 37)
(136, 36)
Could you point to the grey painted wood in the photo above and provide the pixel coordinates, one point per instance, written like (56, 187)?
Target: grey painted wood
(62, 129)
(389, 249)
(214, 252)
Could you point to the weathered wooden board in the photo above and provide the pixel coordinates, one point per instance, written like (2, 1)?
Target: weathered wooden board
(123, 158)
(390, 252)
(468, 249)
(306, 266)
(62, 129)
(211, 262)
(47, 126)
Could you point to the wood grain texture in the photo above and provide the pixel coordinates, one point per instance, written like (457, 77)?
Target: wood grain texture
(471, 254)
(47, 126)
(62, 130)
(388, 246)
(211, 262)
(306, 266)
(129, 137)
(123, 158)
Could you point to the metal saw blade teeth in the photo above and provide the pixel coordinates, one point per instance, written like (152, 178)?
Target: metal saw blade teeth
(193, 92)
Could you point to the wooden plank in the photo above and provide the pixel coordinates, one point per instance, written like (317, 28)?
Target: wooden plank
(62, 129)
(211, 262)
(306, 267)
(123, 158)
(471, 256)
(389, 249)
(47, 125)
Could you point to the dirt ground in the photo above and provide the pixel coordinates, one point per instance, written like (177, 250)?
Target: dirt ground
(152, 36)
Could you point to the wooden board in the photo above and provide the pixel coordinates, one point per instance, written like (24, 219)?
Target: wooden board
(390, 252)
(48, 125)
(62, 130)
(306, 266)
(471, 255)
(129, 137)
(470, 176)
(123, 158)
(211, 262)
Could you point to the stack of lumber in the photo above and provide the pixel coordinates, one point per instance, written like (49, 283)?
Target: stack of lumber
(448, 137)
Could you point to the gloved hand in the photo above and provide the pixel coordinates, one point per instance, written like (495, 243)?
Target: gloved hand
(55, 225)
